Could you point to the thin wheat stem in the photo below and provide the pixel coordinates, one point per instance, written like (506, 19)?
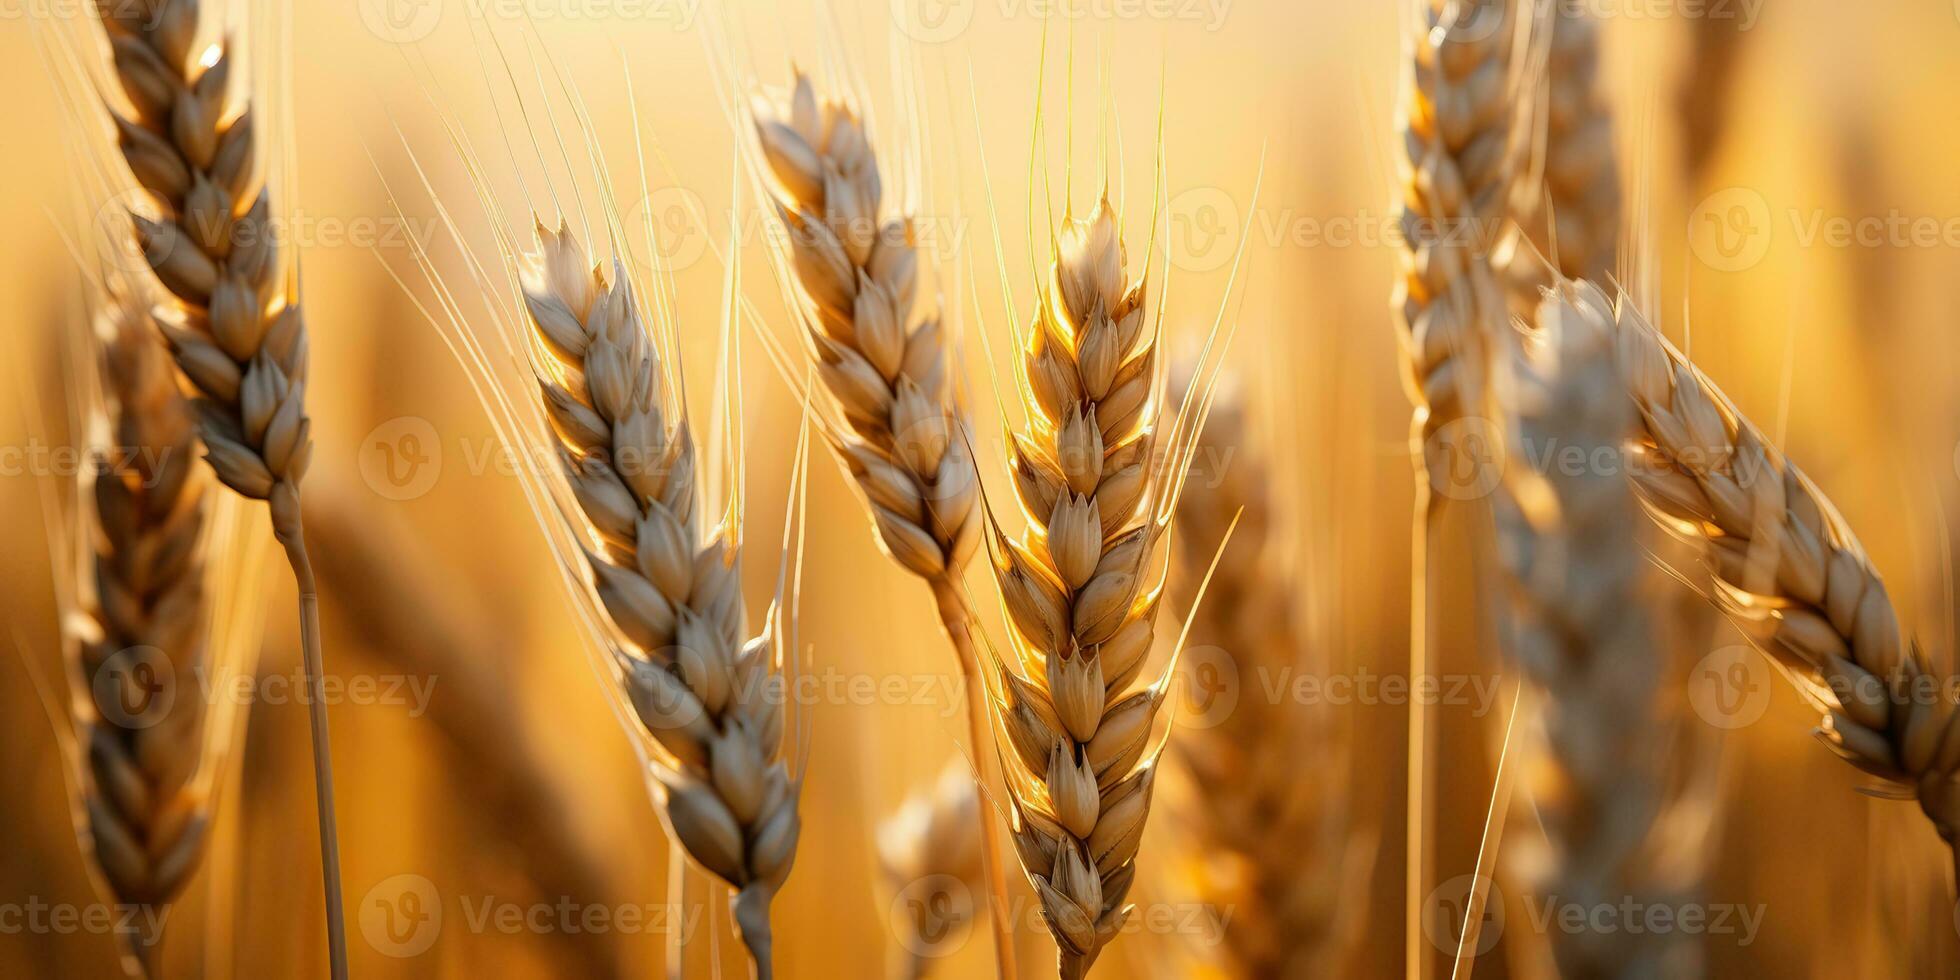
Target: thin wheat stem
(293, 538)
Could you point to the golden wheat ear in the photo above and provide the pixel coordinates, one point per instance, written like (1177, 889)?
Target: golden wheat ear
(570, 356)
(1789, 572)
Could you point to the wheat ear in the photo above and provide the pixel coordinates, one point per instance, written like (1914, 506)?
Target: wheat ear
(1079, 609)
(1570, 215)
(146, 810)
(1581, 634)
(233, 322)
(931, 838)
(1789, 572)
(882, 353)
(671, 590)
(1456, 122)
(1271, 842)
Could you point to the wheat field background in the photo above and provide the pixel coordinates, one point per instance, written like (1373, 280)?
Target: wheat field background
(1832, 118)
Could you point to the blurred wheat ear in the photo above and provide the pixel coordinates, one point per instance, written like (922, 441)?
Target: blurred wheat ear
(1581, 633)
(1271, 845)
(142, 637)
(931, 839)
(401, 611)
(883, 356)
(232, 317)
(1565, 206)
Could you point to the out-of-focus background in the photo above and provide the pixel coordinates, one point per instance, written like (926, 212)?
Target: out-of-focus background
(1788, 172)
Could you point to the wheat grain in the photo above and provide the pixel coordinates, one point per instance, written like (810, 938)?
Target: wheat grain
(882, 352)
(930, 842)
(233, 321)
(1271, 843)
(1582, 636)
(1789, 572)
(672, 591)
(144, 633)
(1571, 214)
(1074, 588)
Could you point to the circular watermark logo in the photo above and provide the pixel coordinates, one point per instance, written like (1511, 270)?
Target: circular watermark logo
(1204, 231)
(1209, 688)
(1474, 21)
(1731, 230)
(400, 21)
(1451, 908)
(1730, 687)
(402, 916)
(401, 459)
(135, 687)
(932, 916)
(936, 21)
(1465, 458)
(675, 219)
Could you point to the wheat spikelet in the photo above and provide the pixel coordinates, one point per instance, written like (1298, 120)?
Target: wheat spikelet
(1079, 608)
(231, 319)
(671, 591)
(1789, 572)
(1270, 841)
(930, 839)
(1582, 636)
(1571, 215)
(139, 715)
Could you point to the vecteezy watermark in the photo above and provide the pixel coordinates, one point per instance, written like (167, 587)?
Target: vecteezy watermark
(1207, 224)
(403, 916)
(939, 21)
(139, 687)
(409, 21)
(1734, 229)
(1730, 687)
(1744, 13)
(1460, 906)
(35, 916)
(1634, 916)
(36, 458)
(932, 916)
(401, 459)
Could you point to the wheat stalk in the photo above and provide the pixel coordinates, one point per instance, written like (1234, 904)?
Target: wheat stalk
(1581, 633)
(232, 321)
(1456, 122)
(1079, 609)
(1789, 572)
(930, 839)
(671, 591)
(1271, 842)
(1569, 215)
(142, 633)
(883, 354)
